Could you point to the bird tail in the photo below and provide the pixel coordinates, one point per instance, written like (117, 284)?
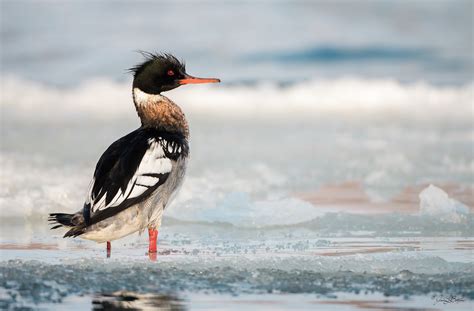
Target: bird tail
(73, 221)
(58, 220)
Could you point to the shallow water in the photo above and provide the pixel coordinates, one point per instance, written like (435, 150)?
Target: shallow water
(202, 265)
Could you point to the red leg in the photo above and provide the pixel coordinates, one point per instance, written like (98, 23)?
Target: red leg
(153, 238)
(109, 248)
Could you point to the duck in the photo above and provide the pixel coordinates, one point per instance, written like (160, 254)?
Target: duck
(138, 175)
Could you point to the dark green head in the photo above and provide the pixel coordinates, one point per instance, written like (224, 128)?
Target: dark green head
(162, 72)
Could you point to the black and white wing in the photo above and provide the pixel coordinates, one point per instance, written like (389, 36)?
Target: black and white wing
(130, 170)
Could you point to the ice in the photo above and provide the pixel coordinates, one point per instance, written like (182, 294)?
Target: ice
(224, 259)
(254, 148)
(35, 281)
(229, 260)
(29, 188)
(34, 187)
(346, 224)
(239, 209)
(435, 202)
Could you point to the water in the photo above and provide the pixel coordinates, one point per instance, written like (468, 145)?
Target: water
(308, 183)
(223, 263)
(70, 42)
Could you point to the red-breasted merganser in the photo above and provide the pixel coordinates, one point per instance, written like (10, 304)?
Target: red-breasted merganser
(138, 175)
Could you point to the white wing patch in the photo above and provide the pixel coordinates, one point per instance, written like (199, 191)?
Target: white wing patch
(154, 162)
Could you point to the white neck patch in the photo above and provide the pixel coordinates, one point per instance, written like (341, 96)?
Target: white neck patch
(142, 99)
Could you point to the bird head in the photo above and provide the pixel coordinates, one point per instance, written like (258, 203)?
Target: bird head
(163, 72)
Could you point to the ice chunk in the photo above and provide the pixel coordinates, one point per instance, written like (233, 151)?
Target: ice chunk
(238, 209)
(435, 202)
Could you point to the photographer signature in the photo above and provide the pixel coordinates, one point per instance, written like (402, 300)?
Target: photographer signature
(447, 299)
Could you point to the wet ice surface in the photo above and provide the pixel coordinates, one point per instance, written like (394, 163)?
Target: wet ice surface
(341, 301)
(202, 265)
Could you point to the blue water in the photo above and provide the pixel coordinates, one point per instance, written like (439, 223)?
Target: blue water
(65, 43)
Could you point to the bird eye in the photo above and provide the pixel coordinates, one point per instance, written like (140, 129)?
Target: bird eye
(170, 73)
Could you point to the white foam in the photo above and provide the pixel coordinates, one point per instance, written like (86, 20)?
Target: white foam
(104, 99)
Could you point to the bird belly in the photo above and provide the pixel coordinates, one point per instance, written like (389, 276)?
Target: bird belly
(124, 223)
(142, 215)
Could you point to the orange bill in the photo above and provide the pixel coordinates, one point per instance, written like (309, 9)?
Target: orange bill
(193, 80)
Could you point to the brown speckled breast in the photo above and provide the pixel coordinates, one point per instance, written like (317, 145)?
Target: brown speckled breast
(158, 110)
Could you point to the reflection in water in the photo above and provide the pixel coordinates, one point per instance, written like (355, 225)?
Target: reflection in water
(124, 300)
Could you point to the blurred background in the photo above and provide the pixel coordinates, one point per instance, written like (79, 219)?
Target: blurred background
(374, 93)
(332, 119)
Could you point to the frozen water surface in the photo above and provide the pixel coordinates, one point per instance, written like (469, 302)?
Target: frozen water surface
(203, 265)
(327, 206)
